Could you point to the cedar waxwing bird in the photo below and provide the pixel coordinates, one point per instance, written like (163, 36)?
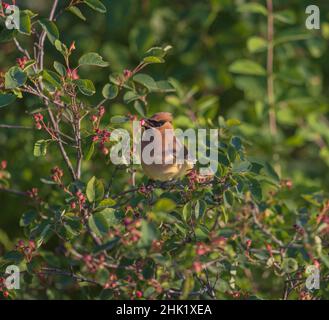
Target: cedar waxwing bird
(164, 166)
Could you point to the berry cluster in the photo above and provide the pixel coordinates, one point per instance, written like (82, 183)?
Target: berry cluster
(146, 190)
(38, 118)
(102, 136)
(94, 264)
(33, 193)
(57, 174)
(22, 62)
(3, 288)
(3, 164)
(132, 233)
(81, 198)
(112, 282)
(26, 249)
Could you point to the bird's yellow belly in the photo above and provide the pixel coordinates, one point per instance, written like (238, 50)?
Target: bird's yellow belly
(163, 172)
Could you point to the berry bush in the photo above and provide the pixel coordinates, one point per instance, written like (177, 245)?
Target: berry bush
(94, 230)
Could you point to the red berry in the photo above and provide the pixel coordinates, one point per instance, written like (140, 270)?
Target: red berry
(3, 164)
(139, 294)
(6, 294)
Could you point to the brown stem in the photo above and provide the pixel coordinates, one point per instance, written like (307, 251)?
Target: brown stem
(270, 76)
(43, 36)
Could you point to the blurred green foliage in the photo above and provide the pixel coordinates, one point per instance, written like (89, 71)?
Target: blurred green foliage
(218, 65)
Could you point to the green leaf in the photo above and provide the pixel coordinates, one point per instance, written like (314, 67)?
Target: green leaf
(76, 11)
(92, 59)
(40, 148)
(110, 91)
(286, 16)
(248, 67)
(151, 60)
(252, 8)
(50, 28)
(228, 198)
(111, 216)
(140, 108)
(255, 189)
(60, 68)
(52, 78)
(95, 190)
(119, 119)
(96, 5)
(25, 22)
(256, 44)
(200, 209)
(27, 218)
(187, 211)
(90, 151)
(165, 86)
(15, 78)
(61, 47)
(164, 205)
(146, 81)
(130, 96)
(6, 99)
(149, 233)
(85, 86)
(98, 224)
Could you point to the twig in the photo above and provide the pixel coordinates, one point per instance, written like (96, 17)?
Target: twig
(43, 36)
(16, 192)
(59, 272)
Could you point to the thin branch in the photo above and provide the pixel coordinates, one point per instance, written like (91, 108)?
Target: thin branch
(15, 192)
(59, 272)
(43, 36)
(9, 126)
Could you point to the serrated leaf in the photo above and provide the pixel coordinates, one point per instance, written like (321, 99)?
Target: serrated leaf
(248, 67)
(140, 108)
(146, 80)
(110, 91)
(60, 68)
(92, 59)
(95, 190)
(50, 28)
(98, 224)
(15, 78)
(76, 11)
(85, 86)
(130, 96)
(96, 5)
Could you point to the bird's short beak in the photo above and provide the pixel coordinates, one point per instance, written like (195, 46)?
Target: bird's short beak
(145, 123)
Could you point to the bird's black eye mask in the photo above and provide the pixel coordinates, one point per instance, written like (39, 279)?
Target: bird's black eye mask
(154, 123)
